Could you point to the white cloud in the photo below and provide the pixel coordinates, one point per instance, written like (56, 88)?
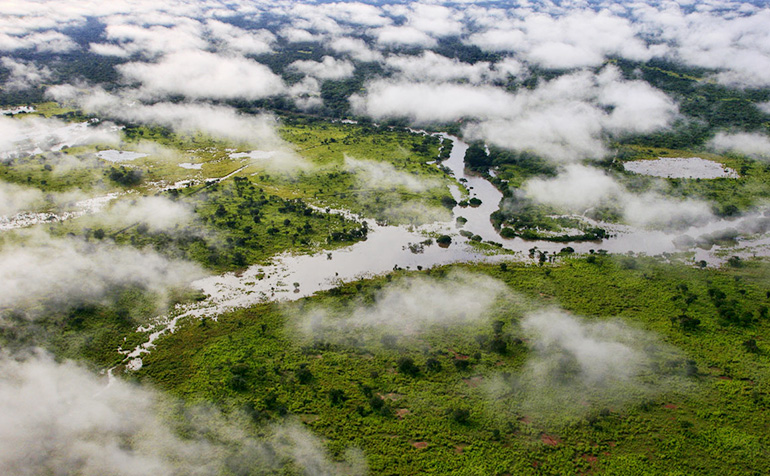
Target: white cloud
(24, 74)
(298, 35)
(306, 93)
(356, 48)
(42, 42)
(57, 418)
(356, 13)
(563, 119)
(380, 175)
(430, 66)
(580, 188)
(65, 269)
(410, 306)
(728, 39)
(15, 198)
(151, 41)
(220, 122)
(435, 20)
(575, 39)
(32, 135)
(577, 366)
(403, 36)
(752, 144)
(242, 41)
(327, 68)
(427, 102)
(199, 74)
(157, 213)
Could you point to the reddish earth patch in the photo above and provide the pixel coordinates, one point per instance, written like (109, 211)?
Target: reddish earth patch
(420, 444)
(401, 413)
(525, 419)
(458, 355)
(473, 381)
(590, 458)
(550, 440)
(670, 406)
(459, 449)
(725, 377)
(611, 444)
(499, 363)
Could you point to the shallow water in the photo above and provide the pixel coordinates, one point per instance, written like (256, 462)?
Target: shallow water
(117, 156)
(680, 167)
(291, 277)
(78, 209)
(254, 155)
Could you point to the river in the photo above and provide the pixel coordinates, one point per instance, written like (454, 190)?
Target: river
(292, 277)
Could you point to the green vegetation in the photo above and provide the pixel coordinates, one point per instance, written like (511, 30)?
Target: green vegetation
(729, 196)
(88, 330)
(237, 224)
(424, 402)
(381, 195)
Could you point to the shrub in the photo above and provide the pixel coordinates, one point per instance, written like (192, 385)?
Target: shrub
(406, 366)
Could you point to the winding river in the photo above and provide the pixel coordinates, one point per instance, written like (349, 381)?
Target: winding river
(387, 247)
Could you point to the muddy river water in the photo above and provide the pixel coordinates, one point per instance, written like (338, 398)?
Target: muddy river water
(291, 277)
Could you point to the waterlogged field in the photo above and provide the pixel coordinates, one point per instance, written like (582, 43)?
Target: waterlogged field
(266, 203)
(594, 364)
(591, 365)
(728, 195)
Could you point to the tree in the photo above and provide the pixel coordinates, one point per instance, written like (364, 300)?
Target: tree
(433, 365)
(337, 396)
(461, 415)
(406, 366)
(304, 375)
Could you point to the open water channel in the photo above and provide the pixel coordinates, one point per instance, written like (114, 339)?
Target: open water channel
(291, 277)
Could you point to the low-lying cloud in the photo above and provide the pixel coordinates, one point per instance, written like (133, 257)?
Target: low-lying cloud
(200, 74)
(408, 307)
(430, 66)
(15, 198)
(580, 188)
(753, 144)
(327, 68)
(24, 74)
(383, 175)
(70, 269)
(576, 366)
(563, 119)
(156, 213)
(57, 418)
(32, 135)
(221, 122)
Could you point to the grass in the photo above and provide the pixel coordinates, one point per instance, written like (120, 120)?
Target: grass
(714, 422)
(728, 196)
